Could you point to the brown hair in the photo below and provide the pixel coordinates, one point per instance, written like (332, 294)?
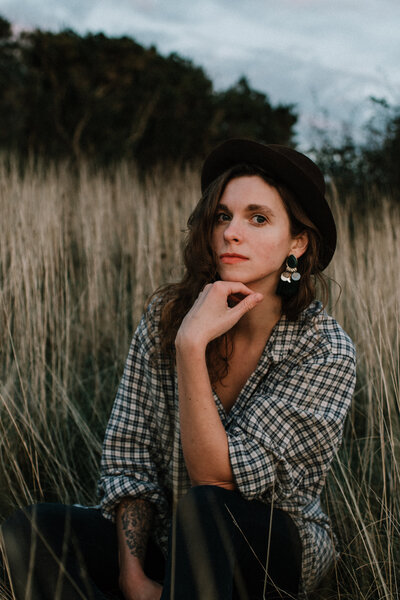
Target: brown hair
(201, 267)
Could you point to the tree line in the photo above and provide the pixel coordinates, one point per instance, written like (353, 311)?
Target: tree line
(67, 96)
(360, 167)
(70, 96)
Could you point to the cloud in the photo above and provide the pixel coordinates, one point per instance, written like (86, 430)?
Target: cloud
(43, 14)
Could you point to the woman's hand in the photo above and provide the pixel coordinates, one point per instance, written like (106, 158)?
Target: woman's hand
(142, 589)
(211, 315)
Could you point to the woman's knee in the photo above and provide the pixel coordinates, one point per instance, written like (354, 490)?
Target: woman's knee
(202, 500)
(204, 495)
(203, 510)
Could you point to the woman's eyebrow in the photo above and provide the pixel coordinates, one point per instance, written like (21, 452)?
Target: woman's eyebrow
(260, 207)
(223, 207)
(249, 208)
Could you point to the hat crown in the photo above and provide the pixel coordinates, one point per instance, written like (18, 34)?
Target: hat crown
(302, 162)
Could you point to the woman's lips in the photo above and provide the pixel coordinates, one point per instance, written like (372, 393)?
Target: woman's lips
(231, 259)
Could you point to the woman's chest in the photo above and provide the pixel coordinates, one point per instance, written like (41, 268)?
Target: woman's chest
(241, 367)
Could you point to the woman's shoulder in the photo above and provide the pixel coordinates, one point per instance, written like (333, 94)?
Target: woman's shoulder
(147, 331)
(317, 324)
(153, 310)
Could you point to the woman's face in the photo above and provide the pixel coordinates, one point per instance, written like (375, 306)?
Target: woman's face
(251, 236)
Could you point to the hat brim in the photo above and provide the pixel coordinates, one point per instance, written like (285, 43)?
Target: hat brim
(283, 164)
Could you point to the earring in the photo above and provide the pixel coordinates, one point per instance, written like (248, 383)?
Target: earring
(288, 284)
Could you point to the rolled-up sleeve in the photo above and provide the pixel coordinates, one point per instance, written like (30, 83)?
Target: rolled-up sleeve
(284, 443)
(129, 464)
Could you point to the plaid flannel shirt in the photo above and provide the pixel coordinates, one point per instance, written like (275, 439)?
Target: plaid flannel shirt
(283, 431)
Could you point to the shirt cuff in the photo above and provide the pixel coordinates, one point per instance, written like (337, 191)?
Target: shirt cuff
(113, 488)
(253, 468)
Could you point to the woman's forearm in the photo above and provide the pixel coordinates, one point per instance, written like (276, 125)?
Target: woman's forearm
(204, 440)
(134, 521)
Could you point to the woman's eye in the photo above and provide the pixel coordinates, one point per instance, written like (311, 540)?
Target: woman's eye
(221, 218)
(259, 219)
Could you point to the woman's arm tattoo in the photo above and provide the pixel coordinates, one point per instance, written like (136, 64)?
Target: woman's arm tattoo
(136, 520)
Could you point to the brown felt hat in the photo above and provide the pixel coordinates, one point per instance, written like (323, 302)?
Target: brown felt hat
(300, 174)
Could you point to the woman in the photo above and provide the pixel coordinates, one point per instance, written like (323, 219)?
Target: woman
(229, 411)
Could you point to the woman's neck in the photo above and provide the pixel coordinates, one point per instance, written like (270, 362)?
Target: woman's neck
(260, 321)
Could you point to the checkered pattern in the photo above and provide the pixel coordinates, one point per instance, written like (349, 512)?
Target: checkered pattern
(283, 430)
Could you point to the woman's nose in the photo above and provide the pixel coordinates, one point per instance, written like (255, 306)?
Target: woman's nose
(232, 232)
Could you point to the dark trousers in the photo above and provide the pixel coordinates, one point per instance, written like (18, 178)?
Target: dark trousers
(221, 547)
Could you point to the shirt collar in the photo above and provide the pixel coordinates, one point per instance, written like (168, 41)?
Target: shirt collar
(285, 334)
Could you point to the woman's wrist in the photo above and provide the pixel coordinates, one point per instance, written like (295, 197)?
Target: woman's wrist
(131, 576)
(187, 343)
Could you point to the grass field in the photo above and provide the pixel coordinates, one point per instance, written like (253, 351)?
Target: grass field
(79, 256)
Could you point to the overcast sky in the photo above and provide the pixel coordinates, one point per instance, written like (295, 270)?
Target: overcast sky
(326, 56)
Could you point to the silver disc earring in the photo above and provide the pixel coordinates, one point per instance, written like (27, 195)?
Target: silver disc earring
(289, 281)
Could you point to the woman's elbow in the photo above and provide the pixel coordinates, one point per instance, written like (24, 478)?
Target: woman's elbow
(227, 485)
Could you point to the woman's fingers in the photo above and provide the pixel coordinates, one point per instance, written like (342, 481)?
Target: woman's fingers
(230, 287)
(247, 303)
(233, 293)
(213, 313)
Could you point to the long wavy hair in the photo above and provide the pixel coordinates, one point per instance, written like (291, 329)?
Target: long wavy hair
(201, 268)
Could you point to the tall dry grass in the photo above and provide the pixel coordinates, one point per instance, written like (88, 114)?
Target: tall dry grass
(78, 257)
